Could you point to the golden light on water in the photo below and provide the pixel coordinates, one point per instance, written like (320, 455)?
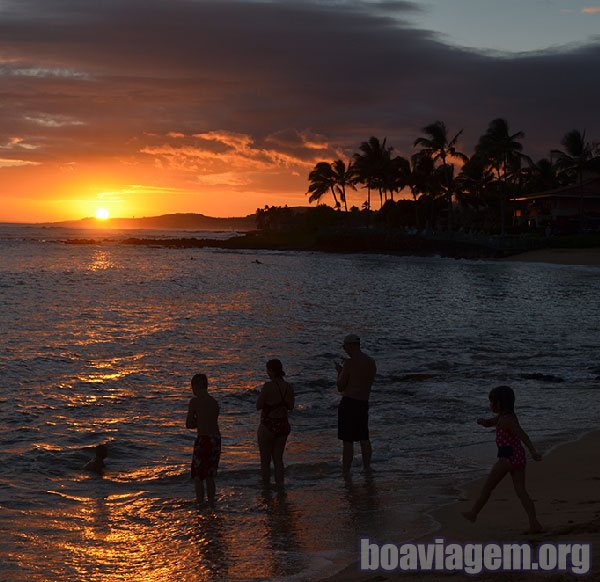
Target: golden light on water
(102, 214)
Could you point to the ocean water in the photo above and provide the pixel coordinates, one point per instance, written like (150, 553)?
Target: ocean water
(99, 342)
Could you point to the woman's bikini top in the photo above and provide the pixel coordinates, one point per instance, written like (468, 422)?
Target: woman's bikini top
(268, 408)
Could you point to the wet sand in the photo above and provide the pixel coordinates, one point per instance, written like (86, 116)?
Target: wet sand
(565, 487)
(588, 257)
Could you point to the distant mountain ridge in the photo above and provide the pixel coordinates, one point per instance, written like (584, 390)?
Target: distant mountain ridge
(187, 221)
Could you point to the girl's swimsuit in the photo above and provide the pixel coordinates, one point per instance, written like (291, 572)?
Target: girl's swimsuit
(510, 447)
(278, 426)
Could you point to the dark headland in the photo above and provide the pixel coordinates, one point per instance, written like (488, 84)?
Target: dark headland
(179, 221)
(325, 230)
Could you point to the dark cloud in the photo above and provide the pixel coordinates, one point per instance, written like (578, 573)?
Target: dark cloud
(80, 77)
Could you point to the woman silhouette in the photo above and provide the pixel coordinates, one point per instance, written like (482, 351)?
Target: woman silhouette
(275, 400)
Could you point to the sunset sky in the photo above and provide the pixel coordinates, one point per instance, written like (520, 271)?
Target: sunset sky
(145, 107)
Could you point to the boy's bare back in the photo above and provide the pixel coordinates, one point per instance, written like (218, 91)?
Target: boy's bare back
(203, 415)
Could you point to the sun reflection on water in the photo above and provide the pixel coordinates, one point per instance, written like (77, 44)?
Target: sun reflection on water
(101, 261)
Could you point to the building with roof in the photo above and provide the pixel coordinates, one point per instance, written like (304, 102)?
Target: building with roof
(563, 209)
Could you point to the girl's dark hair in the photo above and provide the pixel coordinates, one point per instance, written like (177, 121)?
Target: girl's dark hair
(276, 367)
(504, 397)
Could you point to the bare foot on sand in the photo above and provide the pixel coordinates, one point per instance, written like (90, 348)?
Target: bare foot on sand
(470, 516)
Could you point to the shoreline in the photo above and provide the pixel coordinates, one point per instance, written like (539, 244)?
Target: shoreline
(381, 242)
(559, 256)
(563, 486)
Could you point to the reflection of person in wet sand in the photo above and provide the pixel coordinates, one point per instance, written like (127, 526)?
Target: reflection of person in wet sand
(511, 455)
(354, 381)
(365, 510)
(282, 534)
(210, 538)
(203, 415)
(275, 400)
(97, 463)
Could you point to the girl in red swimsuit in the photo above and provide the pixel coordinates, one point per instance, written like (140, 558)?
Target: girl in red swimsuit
(511, 455)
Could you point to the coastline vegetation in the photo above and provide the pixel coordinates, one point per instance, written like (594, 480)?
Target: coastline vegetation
(437, 201)
(449, 189)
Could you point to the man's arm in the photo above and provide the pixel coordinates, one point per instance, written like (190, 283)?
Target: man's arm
(343, 376)
(191, 420)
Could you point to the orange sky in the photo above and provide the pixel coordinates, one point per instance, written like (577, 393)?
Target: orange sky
(217, 174)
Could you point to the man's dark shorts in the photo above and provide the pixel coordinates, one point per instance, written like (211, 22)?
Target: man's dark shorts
(353, 420)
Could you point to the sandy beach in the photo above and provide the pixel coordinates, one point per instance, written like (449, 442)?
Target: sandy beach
(588, 257)
(565, 488)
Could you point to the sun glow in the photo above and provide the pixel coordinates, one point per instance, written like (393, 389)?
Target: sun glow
(102, 214)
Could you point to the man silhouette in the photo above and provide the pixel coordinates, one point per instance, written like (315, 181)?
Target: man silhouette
(355, 378)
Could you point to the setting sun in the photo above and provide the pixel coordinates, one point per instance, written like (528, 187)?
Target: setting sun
(102, 214)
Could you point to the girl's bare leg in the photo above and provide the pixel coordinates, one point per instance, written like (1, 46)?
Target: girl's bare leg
(278, 448)
(199, 487)
(210, 489)
(265, 446)
(498, 472)
(518, 478)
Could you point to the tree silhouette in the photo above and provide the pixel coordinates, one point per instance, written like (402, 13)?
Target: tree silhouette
(371, 166)
(502, 150)
(441, 149)
(577, 156)
(321, 181)
(396, 175)
(343, 177)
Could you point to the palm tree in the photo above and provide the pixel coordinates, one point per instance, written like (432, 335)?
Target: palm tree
(397, 175)
(321, 181)
(474, 180)
(440, 149)
(476, 191)
(420, 178)
(343, 177)
(542, 176)
(371, 166)
(502, 151)
(577, 156)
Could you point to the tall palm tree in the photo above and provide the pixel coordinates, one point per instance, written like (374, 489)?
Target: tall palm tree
(321, 181)
(440, 148)
(542, 176)
(343, 177)
(424, 183)
(420, 178)
(475, 180)
(396, 176)
(502, 150)
(476, 191)
(371, 164)
(577, 156)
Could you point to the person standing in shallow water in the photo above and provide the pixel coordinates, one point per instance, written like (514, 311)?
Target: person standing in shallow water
(275, 401)
(355, 377)
(203, 415)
